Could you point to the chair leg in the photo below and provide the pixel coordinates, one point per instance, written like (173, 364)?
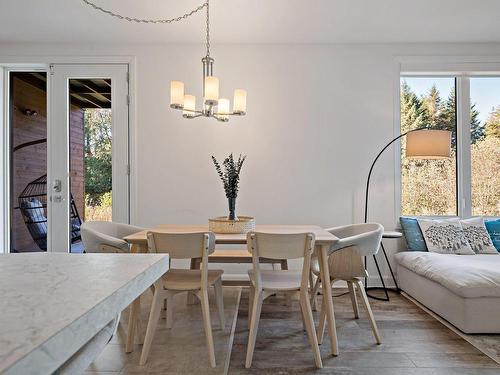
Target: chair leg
(322, 322)
(220, 302)
(304, 324)
(352, 293)
(170, 309)
(371, 318)
(254, 325)
(314, 294)
(251, 297)
(208, 325)
(154, 315)
(311, 332)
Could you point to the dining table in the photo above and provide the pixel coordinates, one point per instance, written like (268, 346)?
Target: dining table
(323, 244)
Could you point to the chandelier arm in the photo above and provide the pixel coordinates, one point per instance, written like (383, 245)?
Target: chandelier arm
(189, 110)
(145, 20)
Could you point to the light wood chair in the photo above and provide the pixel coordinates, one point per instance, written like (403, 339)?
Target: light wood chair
(174, 281)
(346, 263)
(264, 283)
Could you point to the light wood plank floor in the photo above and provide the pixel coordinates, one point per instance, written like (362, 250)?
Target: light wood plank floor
(414, 343)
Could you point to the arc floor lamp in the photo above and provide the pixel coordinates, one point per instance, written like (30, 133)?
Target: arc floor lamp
(421, 143)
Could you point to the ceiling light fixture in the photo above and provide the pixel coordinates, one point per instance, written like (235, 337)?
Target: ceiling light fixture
(213, 105)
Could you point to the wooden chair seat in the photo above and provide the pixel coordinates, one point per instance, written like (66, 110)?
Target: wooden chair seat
(265, 282)
(197, 245)
(179, 279)
(276, 280)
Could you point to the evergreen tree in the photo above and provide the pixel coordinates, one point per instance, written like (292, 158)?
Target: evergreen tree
(449, 117)
(412, 113)
(492, 127)
(433, 107)
(476, 130)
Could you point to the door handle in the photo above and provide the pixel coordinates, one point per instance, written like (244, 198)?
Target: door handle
(57, 186)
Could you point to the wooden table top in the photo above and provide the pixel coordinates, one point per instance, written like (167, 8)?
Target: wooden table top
(323, 237)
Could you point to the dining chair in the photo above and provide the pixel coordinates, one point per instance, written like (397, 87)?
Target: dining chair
(264, 283)
(346, 263)
(106, 236)
(174, 281)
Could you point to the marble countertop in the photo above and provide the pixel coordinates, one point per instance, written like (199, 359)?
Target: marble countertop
(51, 304)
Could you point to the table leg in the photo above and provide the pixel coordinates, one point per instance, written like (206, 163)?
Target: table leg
(133, 317)
(327, 295)
(288, 296)
(135, 309)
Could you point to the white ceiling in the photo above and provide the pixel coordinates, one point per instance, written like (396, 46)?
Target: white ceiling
(255, 21)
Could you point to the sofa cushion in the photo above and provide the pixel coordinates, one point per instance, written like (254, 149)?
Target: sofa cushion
(445, 236)
(477, 235)
(468, 277)
(413, 235)
(493, 228)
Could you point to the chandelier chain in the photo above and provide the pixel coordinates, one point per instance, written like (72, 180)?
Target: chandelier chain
(208, 28)
(145, 20)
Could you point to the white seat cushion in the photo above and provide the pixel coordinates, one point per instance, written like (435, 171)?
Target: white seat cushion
(278, 279)
(468, 276)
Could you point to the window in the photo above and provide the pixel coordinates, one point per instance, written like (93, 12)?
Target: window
(431, 187)
(485, 145)
(428, 187)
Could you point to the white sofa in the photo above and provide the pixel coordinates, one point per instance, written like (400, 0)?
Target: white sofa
(463, 289)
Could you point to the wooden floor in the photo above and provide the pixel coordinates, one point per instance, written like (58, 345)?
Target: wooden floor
(414, 343)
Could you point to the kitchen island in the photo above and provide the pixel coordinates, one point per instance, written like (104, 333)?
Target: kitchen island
(53, 306)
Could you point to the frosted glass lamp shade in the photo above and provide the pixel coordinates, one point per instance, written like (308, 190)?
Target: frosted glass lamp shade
(428, 144)
(223, 110)
(189, 106)
(176, 94)
(240, 102)
(211, 93)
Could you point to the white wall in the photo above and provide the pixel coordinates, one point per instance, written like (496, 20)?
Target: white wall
(317, 115)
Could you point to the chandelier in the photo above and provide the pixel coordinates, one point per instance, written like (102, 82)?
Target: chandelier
(213, 106)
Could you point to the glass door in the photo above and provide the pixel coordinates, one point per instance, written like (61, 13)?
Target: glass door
(88, 176)
(26, 141)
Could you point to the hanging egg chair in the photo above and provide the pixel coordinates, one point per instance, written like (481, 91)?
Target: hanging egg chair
(33, 206)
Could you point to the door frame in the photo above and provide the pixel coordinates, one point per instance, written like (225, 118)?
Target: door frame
(10, 63)
(59, 145)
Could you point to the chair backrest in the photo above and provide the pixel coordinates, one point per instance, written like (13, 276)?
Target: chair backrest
(281, 246)
(182, 245)
(110, 228)
(365, 237)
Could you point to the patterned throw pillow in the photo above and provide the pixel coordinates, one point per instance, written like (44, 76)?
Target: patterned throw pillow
(477, 235)
(445, 236)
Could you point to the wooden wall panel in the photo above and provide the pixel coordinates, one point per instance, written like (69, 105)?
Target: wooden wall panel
(31, 162)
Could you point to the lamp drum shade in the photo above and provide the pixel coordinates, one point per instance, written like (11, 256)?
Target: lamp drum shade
(176, 94)
(428, 144)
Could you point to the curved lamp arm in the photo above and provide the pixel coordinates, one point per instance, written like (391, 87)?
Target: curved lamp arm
(376, 158)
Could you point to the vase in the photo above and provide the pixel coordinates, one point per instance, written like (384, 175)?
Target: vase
(232, 209)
